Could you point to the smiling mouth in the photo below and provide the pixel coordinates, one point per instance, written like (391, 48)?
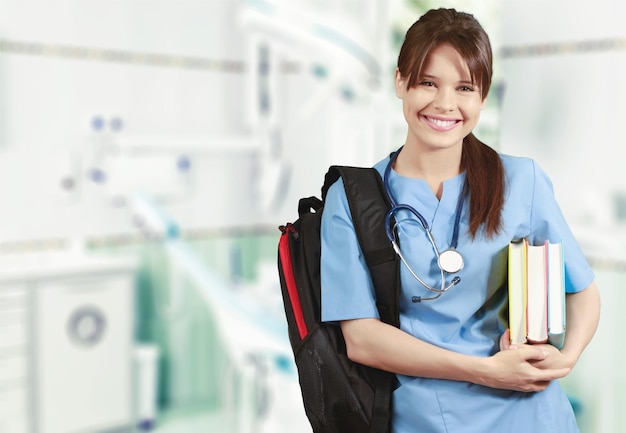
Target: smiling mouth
(440, 124)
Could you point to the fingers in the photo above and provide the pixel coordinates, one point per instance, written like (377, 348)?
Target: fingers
(533, 353)
(538, 380)
(505, 340)
(541, 381)
(519, 372)
(534, 387)
(553, 374)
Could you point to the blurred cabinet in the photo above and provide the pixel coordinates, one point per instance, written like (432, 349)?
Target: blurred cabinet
(66, 336)
(15, 358)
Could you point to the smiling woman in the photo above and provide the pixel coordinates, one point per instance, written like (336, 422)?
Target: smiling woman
(441, 110)
(452, 356)
(450, 55)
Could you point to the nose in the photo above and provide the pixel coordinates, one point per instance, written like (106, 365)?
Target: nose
(445, 100)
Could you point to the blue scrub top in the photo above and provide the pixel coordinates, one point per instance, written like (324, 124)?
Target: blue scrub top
(467, 319)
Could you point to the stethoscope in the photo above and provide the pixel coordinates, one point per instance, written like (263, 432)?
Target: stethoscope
(449, 261)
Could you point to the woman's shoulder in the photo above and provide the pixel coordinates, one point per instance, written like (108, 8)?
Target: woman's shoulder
(381, 165)
(524, 172)
(518, 167)
(513, 162)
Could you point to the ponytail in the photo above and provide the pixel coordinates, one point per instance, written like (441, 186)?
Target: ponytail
(484, 180)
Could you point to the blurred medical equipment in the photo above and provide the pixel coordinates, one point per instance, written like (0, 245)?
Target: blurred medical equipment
(260, 389)
(146, 357)
(339, 63)
(449, 261)
(66, 324)
(353, 70)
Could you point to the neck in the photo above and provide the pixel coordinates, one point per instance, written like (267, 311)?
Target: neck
(434, 167)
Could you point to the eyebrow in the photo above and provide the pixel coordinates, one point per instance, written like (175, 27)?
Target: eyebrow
(432, 77)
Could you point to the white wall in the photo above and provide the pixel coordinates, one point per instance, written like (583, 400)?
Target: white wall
(49, 101)
(562, 106)
(176, 76)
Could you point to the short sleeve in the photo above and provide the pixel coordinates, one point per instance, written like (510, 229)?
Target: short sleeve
(347, 290)
(548, 223)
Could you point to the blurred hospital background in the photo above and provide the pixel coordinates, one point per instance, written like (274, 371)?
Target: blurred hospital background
(150, 149)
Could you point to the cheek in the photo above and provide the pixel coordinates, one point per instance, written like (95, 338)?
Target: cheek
(410, 108)
(473, 110)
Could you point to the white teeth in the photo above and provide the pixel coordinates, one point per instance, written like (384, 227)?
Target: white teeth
(442, 123)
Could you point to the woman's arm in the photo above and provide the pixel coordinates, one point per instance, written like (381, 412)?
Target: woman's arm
(583, 315)
(374, 343)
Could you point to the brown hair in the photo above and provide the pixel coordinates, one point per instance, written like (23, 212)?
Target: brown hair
(484, 179)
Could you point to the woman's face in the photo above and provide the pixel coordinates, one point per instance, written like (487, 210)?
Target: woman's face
(445, 105)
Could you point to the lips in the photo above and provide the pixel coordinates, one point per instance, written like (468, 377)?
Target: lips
(441, 124)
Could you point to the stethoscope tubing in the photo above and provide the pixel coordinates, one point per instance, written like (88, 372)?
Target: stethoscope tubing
(390, 231)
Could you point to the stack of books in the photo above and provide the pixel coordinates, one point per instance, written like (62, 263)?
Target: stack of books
(536, 293)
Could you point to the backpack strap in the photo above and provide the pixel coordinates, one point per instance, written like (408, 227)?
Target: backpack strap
(369, 204)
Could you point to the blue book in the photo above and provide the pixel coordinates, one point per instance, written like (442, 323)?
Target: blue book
(556, 295)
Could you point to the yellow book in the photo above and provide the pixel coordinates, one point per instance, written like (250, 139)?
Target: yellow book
(517, 291)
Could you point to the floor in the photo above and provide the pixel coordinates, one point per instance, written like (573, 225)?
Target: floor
(208, 422)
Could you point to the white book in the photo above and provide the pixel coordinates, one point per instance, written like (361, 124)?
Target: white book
(537, 293)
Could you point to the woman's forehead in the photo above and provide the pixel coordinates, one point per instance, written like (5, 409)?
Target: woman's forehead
(445, 58)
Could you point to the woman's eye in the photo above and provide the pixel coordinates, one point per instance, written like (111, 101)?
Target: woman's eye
(466, 89)
(427, 83)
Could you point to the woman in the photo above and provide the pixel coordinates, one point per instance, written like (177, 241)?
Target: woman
(456, 369)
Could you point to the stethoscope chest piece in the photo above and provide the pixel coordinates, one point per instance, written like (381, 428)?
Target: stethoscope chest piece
(450, 261)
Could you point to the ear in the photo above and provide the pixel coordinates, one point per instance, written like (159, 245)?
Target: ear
(400, 84)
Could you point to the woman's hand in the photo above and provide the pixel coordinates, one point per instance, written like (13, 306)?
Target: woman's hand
(505, 341)
(548, 358)
(522, 367)
(555, 358)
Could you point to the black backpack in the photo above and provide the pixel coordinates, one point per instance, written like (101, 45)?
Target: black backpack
(340, 396)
